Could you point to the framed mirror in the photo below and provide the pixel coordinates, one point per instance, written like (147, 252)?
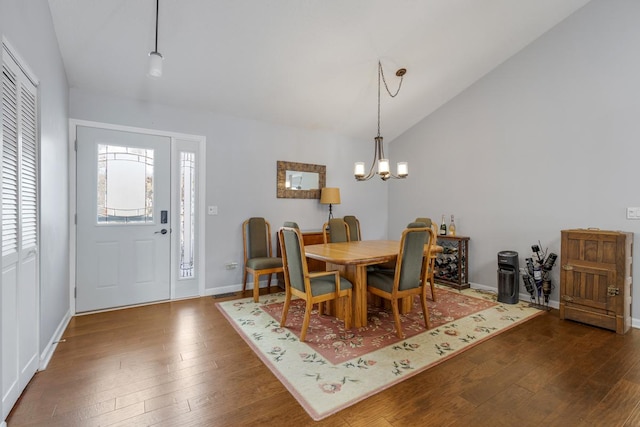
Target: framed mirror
(300, 180)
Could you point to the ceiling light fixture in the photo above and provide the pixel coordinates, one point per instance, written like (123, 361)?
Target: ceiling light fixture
(155, 57)
(378, 154)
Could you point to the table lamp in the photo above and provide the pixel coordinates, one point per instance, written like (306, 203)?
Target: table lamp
(330, 196)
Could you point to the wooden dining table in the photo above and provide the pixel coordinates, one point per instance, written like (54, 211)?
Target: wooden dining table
(352, 260)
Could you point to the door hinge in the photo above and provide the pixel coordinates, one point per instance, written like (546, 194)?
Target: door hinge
(75, 145)
(567, 267)
(75, 219)
(75, 292)
(612, 291)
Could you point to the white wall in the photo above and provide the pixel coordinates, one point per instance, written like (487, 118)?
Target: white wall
(547, 141)
(241, 173)
(28, 27)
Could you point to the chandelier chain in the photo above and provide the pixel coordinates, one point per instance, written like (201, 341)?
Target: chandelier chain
(386, 86)
(385, 82)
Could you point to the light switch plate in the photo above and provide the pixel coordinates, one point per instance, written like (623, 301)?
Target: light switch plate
(212, 210)
(633, 213)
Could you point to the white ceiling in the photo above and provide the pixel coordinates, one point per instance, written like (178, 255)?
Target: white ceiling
(302, 63)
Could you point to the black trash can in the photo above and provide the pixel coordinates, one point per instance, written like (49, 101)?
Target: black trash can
(508, 268)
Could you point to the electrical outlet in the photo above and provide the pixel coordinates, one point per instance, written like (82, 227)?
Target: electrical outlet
(212, 210)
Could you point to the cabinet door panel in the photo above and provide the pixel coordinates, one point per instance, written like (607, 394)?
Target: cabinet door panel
(587, 286)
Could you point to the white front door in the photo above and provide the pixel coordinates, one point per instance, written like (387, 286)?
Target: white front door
(123, 218)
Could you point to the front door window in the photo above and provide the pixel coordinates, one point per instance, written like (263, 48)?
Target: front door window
(125, 185)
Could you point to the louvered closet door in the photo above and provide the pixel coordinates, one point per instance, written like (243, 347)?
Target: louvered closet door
(19, 297)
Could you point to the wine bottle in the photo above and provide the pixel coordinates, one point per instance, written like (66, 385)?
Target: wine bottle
(452, 227)
(443, 227)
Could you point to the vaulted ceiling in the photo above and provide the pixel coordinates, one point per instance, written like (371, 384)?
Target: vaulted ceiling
(302, 63)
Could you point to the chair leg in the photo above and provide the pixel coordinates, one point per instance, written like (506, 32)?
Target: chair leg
(285, 308)
(269, 283)
(432, 266)
(305, 322)
(396, 318)
(425, 309)
(244, 282)
(433, 289)
(256, 287)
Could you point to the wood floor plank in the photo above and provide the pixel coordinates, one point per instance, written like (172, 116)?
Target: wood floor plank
(182, 364)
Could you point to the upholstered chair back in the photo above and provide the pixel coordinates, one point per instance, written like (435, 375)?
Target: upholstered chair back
(354, 227)
(412, 256)
(257, 238)
(291, 240)
(338, 230)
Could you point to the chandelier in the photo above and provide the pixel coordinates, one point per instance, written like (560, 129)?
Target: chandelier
(378, 153)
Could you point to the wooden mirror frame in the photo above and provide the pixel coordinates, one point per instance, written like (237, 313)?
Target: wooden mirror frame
(284, 193)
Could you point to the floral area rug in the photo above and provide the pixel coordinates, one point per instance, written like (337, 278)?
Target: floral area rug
(336, 368)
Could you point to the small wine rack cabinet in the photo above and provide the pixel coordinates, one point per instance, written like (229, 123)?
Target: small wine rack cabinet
(452, 265)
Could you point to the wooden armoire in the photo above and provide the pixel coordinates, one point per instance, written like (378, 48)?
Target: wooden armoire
(596, 278)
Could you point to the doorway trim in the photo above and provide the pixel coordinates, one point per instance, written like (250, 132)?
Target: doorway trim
(174, 136)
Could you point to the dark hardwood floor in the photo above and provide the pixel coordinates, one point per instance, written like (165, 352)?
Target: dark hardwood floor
(182, 364)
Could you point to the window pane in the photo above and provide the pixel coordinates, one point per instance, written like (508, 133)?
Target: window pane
(125, 184)
(187, 214)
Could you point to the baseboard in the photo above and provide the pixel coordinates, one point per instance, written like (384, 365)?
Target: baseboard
(224, 289)
(47, 353)
(523, 297)
(4, 424)
(236, 288)
(635, 323)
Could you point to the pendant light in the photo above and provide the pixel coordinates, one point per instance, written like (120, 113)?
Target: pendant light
(155, 57)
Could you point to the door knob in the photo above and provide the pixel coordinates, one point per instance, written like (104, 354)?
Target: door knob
(163, 231)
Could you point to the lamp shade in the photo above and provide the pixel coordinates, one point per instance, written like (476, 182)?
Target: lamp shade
(383, 166)
(155, 64)
(403, 169)
(330, 196)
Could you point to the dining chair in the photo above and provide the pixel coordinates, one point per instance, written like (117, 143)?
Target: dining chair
(314, 287)
(335, 231)
(433, 254)
(258, 255)
(409, 277)
(354, 227)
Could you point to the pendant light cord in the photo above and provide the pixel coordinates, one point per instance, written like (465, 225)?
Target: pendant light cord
(157, 9)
